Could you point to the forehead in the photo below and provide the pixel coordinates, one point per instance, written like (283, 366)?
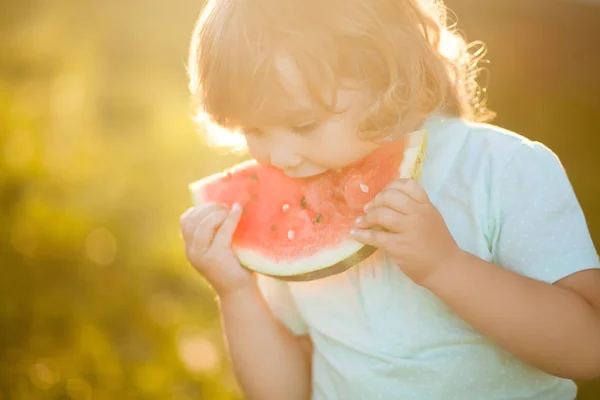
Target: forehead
(293, 97)
(293, 94)
(289, 76)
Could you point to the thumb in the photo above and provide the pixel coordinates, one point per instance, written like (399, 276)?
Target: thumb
(225, 232)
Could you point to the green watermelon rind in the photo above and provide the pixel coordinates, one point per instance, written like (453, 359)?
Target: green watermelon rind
(328, 261)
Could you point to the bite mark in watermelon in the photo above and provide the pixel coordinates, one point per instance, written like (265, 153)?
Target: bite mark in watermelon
(298, 229)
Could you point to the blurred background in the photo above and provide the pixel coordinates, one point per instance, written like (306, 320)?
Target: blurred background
(97, 148)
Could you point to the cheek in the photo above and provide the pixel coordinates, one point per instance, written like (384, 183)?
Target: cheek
(257, 150)
(340, 145)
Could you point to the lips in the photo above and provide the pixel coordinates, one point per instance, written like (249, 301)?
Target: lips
(304, 174)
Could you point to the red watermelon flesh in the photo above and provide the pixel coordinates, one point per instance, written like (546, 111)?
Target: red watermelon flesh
(295, 227)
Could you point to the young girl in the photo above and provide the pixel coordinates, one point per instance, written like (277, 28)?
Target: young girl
(486, 282)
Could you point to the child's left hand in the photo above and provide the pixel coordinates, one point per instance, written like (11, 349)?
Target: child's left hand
(414, 234)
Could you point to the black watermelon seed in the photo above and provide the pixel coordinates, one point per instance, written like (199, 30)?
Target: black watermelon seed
(318, 218)
(303, 202)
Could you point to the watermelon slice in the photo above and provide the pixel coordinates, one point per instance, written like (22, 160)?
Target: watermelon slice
(297, 229)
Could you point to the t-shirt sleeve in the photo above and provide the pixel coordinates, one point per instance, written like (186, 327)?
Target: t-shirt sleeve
(279, 298)
(541, 231)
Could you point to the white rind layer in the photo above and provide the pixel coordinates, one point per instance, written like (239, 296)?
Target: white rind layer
(329, 256)
(414, 149)
(322, 259)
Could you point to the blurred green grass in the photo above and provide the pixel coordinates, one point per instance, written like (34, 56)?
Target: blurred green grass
(97, 148)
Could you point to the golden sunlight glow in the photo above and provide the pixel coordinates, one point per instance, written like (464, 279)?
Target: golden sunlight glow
(218, 136)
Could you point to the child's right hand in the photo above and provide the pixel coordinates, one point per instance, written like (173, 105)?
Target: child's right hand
(207, 231)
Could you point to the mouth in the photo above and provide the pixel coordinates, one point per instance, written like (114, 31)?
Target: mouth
(303, 176)
(297, 175)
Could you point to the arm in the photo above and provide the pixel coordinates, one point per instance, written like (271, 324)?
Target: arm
(268, 360)
(552, 327)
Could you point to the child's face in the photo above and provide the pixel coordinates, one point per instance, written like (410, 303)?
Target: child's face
(308, 141)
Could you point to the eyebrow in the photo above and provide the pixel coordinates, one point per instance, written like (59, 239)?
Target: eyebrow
(286, 113)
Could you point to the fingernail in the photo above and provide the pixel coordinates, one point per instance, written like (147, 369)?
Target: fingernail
(359, 220)
(354, 232)
(236, 207)
(187, 212)
(366, 207)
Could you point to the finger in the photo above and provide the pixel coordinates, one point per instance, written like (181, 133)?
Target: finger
(196, 213)
(379, 239)
(411, 188)
(383, 217)
(190, 219)
(204, 233)
(394, 199)
(225, 232)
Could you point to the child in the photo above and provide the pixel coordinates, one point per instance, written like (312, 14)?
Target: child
(486, 282)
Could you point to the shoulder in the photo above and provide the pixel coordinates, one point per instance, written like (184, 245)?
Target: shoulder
(481, 149)
(507, 145)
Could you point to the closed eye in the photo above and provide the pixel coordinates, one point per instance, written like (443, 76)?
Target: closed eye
(305, 129)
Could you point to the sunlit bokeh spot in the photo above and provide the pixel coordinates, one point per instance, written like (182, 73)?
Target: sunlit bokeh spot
(44, 374)
(198, 353)
(101, 246)
(79, 389)
(68, 93)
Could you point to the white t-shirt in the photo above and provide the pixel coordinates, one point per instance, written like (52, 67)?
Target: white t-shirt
(377, 335)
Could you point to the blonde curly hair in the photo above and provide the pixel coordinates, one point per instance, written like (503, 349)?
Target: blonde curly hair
(413, 62)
